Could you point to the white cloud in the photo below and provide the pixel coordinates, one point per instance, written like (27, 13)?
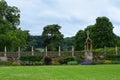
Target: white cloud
(72, 15)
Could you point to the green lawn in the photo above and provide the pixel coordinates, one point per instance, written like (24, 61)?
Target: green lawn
(79, 72)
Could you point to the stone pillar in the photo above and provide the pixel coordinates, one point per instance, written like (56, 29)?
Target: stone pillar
(88, 49)
(4, 58)
(46, 53)
(5, 52)
(116, 50)
(105, 51)
(73, 51)
(32, 51)
(59, 54)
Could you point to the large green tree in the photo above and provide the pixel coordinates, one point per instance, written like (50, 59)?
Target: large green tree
(103, 33)
(10, 35)
(79, 40)
(52, 37)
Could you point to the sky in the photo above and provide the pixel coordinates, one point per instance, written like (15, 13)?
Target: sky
(71, 15)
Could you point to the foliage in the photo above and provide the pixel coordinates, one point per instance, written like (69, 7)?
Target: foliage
(72, 63)
(67, 43)
(85, 63)
(112, 57)
(5, 63)
(47, 60)
(107, 61)
(80, 59)
(79, 40)
(31, 58)
(118, 40)
(38, 63)
(65, 60)
(115, 62)
(15, 63)
(55, 63)
(101, 34)
(35, 41)
(10, 35)
(52, 37)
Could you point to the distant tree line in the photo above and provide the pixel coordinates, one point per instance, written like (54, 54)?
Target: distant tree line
(13, 37)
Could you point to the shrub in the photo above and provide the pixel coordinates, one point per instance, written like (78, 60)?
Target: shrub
(65, 60)
(47, 60)
(39, 63)
(107, 61)
(15, 63)
(31, 58)
(112, 57)
(72, 63)
(25, 63)
(5, 63)
(55, 63)
(85, 63)
(93, 63)
(80, 59)
(115, 62)
(100, 62)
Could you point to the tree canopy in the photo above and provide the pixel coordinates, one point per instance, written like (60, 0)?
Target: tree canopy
(52, 37)
(10, 35)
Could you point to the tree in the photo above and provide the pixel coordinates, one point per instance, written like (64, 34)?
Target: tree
(9, 14)
(68, 42)
(17, 38)
(10, 35)
(35, 41)
(117, 40)
(52, 37)
(104, 35)
(79, 40)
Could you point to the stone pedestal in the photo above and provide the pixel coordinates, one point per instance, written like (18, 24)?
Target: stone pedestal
(88, 49)
(89, 56)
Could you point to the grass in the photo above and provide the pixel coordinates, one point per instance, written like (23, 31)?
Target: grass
(79, 72)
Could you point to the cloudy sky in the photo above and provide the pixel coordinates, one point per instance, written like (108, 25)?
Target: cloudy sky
(72, 15)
